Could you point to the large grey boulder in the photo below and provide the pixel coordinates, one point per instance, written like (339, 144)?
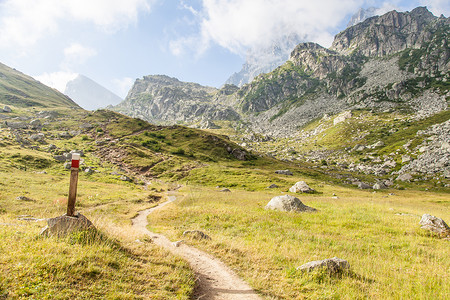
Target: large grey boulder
(331, 265)
(301, 187)
(64, 225)
(7, 109)
(434, 224)
(288, 203)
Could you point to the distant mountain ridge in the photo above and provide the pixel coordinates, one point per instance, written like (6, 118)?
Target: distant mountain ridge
(384, 62)
(89, 94)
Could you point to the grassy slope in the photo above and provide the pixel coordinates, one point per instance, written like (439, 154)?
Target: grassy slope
(20, 90)
(265, 247)
(379, 234)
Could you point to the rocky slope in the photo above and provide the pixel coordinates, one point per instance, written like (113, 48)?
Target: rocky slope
(397, 63)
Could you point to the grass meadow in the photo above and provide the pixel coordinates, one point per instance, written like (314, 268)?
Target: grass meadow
(377, 233)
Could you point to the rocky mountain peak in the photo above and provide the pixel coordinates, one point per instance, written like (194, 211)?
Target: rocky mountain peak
(387, 34)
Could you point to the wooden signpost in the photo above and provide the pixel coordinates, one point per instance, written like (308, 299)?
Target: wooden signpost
(73, 184)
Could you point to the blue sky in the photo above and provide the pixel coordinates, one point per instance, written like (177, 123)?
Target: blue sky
(114, 42)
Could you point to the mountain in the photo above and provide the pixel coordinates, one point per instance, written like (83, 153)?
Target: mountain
(89, 94)
(380, 88)
(264, 59)
(384, 62)
(20, 90)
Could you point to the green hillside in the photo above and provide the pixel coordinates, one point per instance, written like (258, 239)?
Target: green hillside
(20, 90)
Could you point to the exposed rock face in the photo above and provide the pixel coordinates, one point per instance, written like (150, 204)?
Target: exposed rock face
(387, 34)
(331, 265)
(162, 99)
(288, 203)
(434, 224)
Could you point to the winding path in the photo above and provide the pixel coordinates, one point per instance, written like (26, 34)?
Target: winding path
(214, 279)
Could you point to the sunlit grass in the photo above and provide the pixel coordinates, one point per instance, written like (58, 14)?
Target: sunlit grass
(379, 234)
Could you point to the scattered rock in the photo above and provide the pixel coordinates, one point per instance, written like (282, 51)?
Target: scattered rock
(65, 135)
(36, 124)
(88, 170)
(301, 187)
(284, 172)
(60, 158)
(332, 265)
(67, 165)
(63, 225)
(196, 234)
(434, 224)
(404, 177)
(225, 190)
(379, 186)
(364, 186)
(125, 178)
(177, 243)
(7, 109)
(273, 186)
(24, 198)
(40, 137)
(288, 203)
(342, 117)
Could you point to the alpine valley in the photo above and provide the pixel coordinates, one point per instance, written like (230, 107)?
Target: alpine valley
(375, 102)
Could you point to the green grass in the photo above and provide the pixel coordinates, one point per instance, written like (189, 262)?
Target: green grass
(390, 256)
(21, 91)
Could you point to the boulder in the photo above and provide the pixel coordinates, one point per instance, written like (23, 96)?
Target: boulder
(301, 187)
(404, 177)
(125, 178)
(342, 117)
(40, 137)
(196, 234)
(24, 198)
(331, 265)
(225, 190)
(7, 109)
(434, 224)
(288, 203)
(35, 124)
(284, 172)
(364, 186)
(64, 225)
(273, 186)
(379, 186)
(60, 158)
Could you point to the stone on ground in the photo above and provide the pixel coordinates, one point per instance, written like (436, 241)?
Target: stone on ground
(331, 265)
(288, 203)
(64, 225)
(301, 187)
(434, 224)
(284, 172)
(196, 234)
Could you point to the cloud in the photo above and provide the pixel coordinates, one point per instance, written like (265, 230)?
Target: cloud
(238, 25)
(76, 54)
(24, 22)
(438, 7)
(123, 85)
(56, 80)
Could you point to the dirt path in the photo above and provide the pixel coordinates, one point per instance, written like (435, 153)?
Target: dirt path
(214, 279)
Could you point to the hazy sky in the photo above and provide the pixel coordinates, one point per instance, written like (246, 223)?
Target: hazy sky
(114, 42)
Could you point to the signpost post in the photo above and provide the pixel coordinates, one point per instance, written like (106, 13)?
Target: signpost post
(73, 184)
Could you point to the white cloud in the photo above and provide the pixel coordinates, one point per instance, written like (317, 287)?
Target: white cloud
(23, 22)
(123, 85)
(238, 25)
(438, 7)
(56, 80)
(77, 54)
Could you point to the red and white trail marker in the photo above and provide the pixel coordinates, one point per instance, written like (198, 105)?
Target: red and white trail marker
(73, 184)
